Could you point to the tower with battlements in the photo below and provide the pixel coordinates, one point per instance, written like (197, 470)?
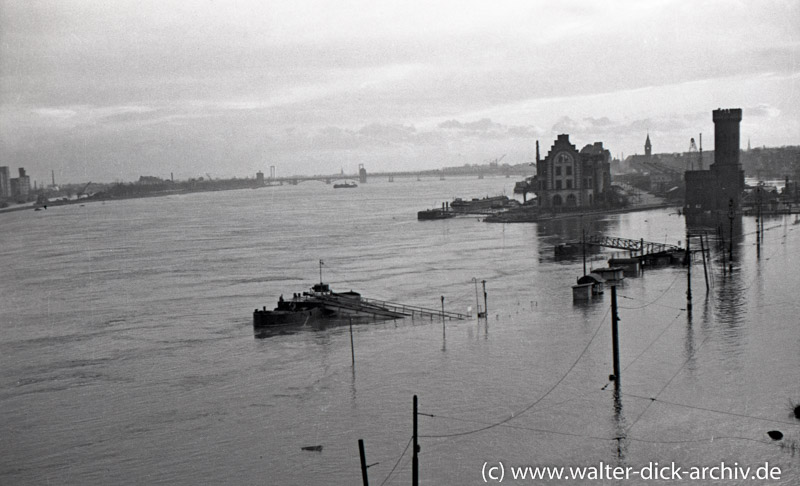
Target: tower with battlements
(720, 187)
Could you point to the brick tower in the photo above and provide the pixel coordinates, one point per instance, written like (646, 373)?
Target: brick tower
(727, 167)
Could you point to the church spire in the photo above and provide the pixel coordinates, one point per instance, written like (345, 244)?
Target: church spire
(648, 148)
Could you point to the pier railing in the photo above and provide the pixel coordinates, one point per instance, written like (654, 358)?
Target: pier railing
(416, 311)
(640, 245)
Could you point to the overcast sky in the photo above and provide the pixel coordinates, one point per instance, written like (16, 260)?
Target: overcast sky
(111, 90)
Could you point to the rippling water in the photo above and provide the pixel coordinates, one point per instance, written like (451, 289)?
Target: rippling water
(127, 353)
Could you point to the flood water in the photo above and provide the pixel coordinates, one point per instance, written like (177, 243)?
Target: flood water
(127, 353)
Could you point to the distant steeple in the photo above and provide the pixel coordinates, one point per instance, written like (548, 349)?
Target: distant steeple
(647, 146)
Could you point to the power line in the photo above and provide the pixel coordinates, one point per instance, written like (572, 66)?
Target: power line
(656, 299)
(710, 409)
(398, 462)
(512, 416)
(654, 340)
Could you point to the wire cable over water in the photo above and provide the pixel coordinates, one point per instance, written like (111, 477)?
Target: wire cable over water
(536, 402)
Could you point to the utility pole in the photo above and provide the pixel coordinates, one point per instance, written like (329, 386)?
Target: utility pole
(364, 466)
(352, 348)
(583, 240)
(415, 459)
(703, 251)
(615, 334)
(485, 306)
(688, 273)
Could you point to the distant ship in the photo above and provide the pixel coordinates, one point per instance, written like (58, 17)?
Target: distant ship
(345, 185)
(435, 213)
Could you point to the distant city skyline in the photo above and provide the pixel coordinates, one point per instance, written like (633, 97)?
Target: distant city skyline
(104, 91)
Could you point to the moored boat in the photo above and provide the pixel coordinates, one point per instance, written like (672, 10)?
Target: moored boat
(321, 303)
(435, 213)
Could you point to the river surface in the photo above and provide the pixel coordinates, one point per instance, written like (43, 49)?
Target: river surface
(127, 353)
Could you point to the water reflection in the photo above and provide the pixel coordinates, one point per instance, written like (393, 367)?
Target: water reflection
(727, 230)
(730, 313)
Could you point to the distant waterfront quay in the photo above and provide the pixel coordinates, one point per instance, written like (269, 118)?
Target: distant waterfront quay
(128, 349)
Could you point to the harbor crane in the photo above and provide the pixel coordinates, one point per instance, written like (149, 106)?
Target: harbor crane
(497, 160)
(82, 192)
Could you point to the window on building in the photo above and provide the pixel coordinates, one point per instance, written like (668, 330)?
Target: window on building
(558, 184)
(569, 170)
(569, 183)
(558, 171)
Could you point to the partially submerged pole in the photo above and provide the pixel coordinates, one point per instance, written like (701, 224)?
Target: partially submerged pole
(363, 455)
(485, 306)
(688, 274)
(705, 269)
(615, 333)
(415, 459)
(583, 241)
(477, 305)
(352, 348)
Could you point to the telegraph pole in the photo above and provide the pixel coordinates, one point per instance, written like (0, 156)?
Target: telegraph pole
(485, 305)
(615, 334)
(364, 466)
(352, 348)
(688, 274)
(415, 459)
(703, 251)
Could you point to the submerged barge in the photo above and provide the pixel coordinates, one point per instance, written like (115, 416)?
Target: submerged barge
(321, 303)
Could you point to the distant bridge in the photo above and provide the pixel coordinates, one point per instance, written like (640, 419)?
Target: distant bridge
(294, 180)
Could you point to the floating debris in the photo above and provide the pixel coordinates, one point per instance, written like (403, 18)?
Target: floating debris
(775, 434)
(316, 448)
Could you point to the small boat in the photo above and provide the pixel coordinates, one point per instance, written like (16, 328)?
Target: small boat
(345, 185)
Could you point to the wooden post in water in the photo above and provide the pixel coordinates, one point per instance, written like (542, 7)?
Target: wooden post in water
(415, 459)
(688, 274)
(363, 455)
(485, 306)
(352, 348)
(615, 333)
(703, 251)
(583, 241)
(730, 216)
